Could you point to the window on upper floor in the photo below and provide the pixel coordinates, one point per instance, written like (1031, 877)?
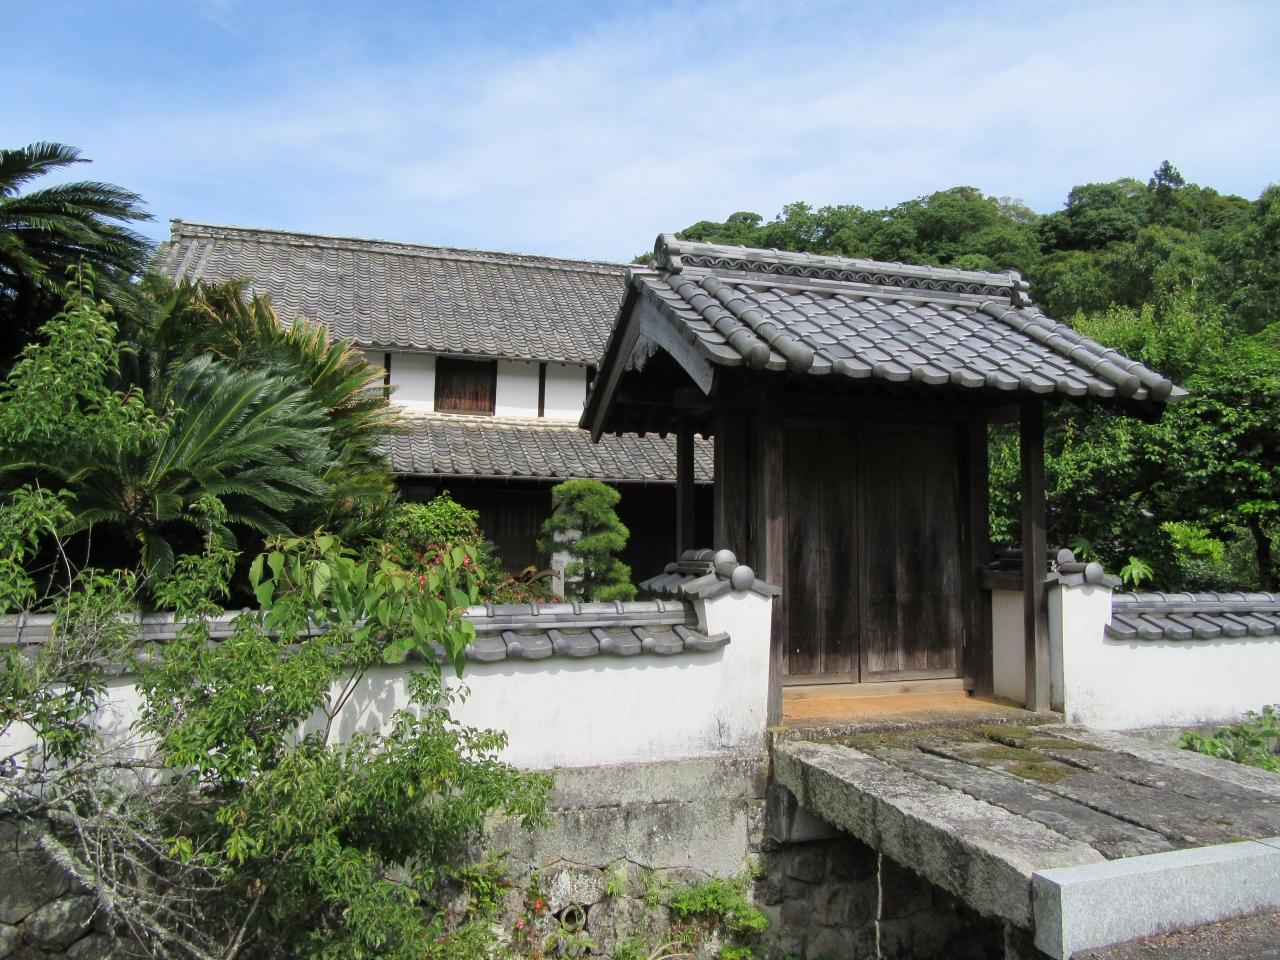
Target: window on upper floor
(465, 386)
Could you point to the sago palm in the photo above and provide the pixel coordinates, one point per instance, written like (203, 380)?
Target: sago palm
(223, 319)
(252, 439)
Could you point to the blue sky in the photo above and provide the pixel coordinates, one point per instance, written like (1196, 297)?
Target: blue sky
(584, 129)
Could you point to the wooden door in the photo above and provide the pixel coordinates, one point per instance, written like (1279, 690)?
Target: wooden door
(873, 539)
(821, 612)
(911, 591)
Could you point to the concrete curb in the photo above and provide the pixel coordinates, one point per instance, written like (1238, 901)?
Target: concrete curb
(1099, 904)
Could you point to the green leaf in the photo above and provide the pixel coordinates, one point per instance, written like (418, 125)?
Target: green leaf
(321, 574)
(264, 592)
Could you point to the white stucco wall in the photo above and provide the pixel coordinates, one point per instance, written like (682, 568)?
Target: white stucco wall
(565, 712)
(414, 377)
(1126, 684)
(1009, 649)
(566, 391)
(517, 389)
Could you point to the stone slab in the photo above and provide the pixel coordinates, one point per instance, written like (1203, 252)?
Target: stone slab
(974, 850)
(1251, 778)
(1111, 837)
(1181, 820)
(1093, 905)
(686, 781)
(1255, 812)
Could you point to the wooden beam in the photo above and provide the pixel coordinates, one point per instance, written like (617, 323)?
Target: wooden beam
(684, 486)
(1034, 552)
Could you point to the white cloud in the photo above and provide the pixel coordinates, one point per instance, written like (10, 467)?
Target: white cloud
(652, 120)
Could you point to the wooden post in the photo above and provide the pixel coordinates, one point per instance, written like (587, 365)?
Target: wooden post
(978, 650)
(1034, 551)
(684, 486)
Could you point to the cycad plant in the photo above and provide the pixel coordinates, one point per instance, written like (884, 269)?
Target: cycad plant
(141, 469)
(251, 439)
(243, 330)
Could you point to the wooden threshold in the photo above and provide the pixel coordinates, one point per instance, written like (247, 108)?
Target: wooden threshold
(879, 688)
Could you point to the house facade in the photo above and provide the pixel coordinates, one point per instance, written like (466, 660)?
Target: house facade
(490, 356)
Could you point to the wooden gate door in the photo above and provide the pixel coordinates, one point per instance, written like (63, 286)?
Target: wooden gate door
(873, 539)
(820, 598)
(911, 591)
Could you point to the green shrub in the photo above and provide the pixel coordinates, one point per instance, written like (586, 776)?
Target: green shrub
(1255, 743)
(417, 528)
(724, 901)
(271, 831)
(585, 526)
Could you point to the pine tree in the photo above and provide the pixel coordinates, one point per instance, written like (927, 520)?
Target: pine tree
(585, 525)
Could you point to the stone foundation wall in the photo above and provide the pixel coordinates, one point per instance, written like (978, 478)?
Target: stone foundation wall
(622, 843)
(42, 910)
(838, 898)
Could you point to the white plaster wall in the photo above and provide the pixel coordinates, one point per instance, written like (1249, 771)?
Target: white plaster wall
(1009, 649)
(517, 390)
(561, 712)
(1125, 684)
(414, 377)
(566, 391)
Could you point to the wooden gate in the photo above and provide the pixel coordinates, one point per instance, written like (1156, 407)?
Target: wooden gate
(873, 552)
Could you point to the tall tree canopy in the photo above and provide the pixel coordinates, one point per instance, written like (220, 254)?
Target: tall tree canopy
(44, 232)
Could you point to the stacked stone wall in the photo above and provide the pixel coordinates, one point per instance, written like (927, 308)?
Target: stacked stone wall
(43, 911)
(621, 842)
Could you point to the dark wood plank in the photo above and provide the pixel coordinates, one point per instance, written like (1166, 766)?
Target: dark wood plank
(805, 518)
(465, 386)
(917, 607)
(771, 513)
(1034, 550)
(977, 664)
(879, 571)
(685, 515)
(838, 567)
(941, 591)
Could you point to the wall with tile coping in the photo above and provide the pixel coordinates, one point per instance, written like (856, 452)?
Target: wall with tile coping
(1119, 684)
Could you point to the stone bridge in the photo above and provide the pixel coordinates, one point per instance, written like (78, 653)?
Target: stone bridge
(1079, 838)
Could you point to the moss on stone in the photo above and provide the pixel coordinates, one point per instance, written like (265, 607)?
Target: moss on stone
(1045, 771)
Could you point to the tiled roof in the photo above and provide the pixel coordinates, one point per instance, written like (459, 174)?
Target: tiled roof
(869, 321)
(412, 297)
(515, 631)
(1193, 616)
(704, 574)
(535, 631)
(452, 445)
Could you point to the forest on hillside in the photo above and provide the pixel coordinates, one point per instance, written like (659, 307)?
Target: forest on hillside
(1177, 275)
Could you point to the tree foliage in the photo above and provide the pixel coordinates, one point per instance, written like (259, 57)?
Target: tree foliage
(279, 429)
(584, 524)
(248, 813)
(46, 232)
